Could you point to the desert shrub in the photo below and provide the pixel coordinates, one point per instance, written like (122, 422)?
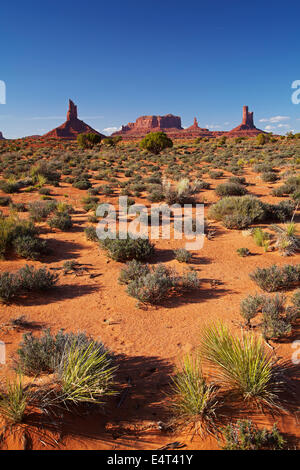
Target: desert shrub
(40, 210)
(280, 212)
(91, 234)
(261, 139)
(29, 247)
(275, 277)
(61, 220)
(155, 142)
(296, 300)
(243, 252)
(45, 191)
(9, 286)
(5, 200)
(250, 306)
(230, 189)
(238, 212)
(158, 283)
(276, 322)
(182, 255)
(46, 170)
(269, 176)
(126, 249)
(194, 402)
(20, 235)
(82, 184)
(242, 366)
(18, 206)
(37, 355)
(133, 270)
(216, 174)
(237, 179)
(9, 187)
(88, 140)
(25, 280)
(244, 435)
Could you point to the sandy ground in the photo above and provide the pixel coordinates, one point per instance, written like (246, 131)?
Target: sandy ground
(148, 342)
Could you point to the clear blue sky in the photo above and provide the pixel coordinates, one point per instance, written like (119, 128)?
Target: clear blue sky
(122, 59)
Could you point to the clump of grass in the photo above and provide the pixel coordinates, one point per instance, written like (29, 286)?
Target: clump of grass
(243, 252)
(194, 402)
(13, 401)
(242, 366)
(261, 238)
(85, 375)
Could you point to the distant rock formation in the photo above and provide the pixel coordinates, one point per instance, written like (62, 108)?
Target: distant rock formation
(1, 136)
(71, 127)
(247, 127)
(145, 124)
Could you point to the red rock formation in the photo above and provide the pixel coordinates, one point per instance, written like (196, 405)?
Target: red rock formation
(1, 136)
(247, 127)
(72, 127)
(145, 124)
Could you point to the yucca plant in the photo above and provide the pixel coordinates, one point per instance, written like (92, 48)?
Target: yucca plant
(287, 240)
(194, 402)
(242, 365)
(86, 375)
(13, 401)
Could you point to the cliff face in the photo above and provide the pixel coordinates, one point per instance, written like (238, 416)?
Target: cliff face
(1, 136)
(145, 124)
(71, 127)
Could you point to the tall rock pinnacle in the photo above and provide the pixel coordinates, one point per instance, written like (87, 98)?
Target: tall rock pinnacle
(71, 127)
(72, 111)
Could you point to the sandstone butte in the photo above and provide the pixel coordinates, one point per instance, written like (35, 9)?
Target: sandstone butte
(171, 125)
(71, 127)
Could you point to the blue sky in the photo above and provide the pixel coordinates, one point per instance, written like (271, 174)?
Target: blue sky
(123, 59)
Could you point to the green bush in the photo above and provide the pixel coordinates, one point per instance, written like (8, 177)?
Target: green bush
(61, 220)
(230, 189)
(88, 140)
(91, 234)
(156, 284)
(250, 306)
(38, 355)
(127, 249)
(29, 247)
(182, 255)
(155, 142)
(238, 212)
(25, 280)
(40, 210)
(275, 277)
